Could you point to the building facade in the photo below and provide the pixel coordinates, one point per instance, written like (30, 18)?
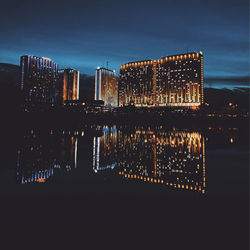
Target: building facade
(39, 77)
(68, 86)
(106, 87)
(170, 81)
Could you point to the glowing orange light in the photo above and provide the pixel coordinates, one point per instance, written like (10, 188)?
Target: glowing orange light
(41, 180)
(45, 58)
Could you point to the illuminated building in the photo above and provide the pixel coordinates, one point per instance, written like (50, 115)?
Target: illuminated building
(172, 158)
(39, 77)
(106, 87)
(170, 81)
(68, 88)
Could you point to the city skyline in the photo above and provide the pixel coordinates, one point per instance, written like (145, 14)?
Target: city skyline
(41, 81)
(98, 32)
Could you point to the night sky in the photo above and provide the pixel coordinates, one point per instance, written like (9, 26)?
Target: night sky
(86, 34)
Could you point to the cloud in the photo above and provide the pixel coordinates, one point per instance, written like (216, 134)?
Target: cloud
(231, 82)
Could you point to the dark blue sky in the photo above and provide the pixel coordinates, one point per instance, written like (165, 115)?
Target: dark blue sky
(86, 34)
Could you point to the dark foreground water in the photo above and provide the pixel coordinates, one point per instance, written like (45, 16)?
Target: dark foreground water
(135, 187)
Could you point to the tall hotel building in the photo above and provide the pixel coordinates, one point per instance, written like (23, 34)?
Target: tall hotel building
(39, 76)
(171, 81)
(68, 88)
(106, 87)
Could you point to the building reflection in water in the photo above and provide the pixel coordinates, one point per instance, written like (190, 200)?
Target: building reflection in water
(107, 145)
(173, 158)
(41, 155)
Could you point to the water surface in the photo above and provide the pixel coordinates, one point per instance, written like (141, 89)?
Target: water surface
(157, 183)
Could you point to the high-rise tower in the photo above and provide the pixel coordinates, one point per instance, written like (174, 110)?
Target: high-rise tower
(170, 81)
(68, 84)
(106, 87)
(39, 76)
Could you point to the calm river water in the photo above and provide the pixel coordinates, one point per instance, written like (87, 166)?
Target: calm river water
(137, 185)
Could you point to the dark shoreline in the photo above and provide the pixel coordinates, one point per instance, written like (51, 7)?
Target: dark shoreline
(73, 120)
